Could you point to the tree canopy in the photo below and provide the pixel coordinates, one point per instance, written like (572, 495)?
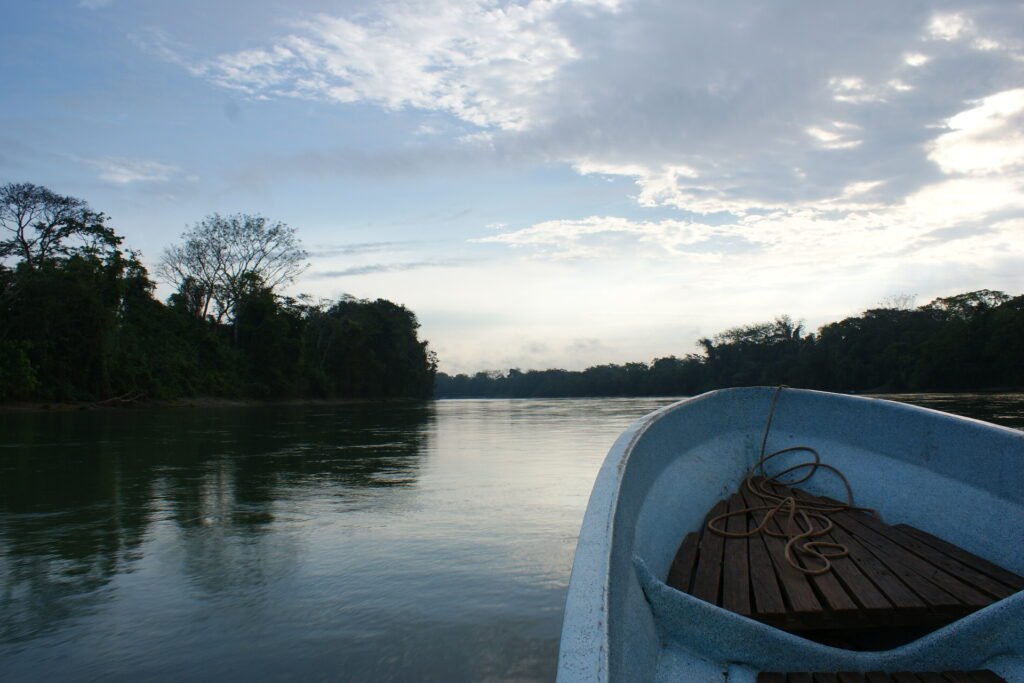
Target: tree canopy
(78, 319)
(222, 258)
(39, 225)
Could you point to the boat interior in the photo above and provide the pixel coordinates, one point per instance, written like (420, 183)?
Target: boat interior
(867, 585)
(929, 584)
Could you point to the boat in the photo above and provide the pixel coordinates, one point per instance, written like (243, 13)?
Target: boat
(957, 481)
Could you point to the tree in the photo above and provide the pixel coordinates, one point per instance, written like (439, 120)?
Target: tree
(41, 225)
(224, 258)
(966, 305)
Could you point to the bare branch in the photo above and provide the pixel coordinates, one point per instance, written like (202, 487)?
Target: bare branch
(229, 255)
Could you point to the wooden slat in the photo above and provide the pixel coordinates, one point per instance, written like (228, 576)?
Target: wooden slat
(867, 595)
(764, 585)
(897, 592)
(857, 584)
(850, 677)
(830, 590)
(735, 567)
(890, 556)
(837, 595)
(876, 535)
(707, 581)
(681, 573)
(833, 592)
(959, 677)
(795, 585)
(982, 565)
(960, 571)
(938, 588)
(983, 676)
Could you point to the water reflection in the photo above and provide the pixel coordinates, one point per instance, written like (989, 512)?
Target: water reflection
(81, 492)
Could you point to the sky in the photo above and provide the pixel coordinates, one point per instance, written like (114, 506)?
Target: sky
(548, 183)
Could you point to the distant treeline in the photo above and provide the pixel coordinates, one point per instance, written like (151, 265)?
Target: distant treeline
(79, 322)
(972, 341)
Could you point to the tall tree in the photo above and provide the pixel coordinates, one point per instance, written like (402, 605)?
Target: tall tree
(224, 258)
(39, 225)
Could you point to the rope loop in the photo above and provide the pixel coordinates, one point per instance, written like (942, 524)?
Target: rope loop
(798, 520)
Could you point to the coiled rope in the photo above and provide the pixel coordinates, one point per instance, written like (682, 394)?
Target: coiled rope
(805, 520)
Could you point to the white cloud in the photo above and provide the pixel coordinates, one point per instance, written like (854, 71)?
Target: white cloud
(965, 200)
(955, 26)
(986, 44)
(986, 139)
(948, 26)
(603, 236)
(916, 59)
(832, 137)
(960, 218)
(591, 167)
(484, 62)
(126, 171)
(700, 107)
(809, 239)
(850, 89)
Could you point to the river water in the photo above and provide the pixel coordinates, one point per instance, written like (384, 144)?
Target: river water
(353, 542)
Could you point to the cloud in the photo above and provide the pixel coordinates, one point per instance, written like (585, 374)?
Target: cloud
(986, 139)
(699, 106)
(484, 62)
(375, 268)
(835, 135)
(600, 236)
(970, 213)
(960, 219)
(949, 26)
(758, 128)
(916, 59)
(357, 248)
(122, 171)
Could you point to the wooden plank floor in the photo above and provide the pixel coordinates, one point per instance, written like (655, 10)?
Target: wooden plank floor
(984, 676)
(894, 576)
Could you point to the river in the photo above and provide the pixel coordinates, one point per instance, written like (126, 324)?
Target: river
(353, 542)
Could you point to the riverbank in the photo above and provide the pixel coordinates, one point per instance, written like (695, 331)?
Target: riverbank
(196, 402)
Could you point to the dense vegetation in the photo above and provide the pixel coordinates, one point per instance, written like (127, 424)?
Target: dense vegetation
(79, 321)
(972, 341)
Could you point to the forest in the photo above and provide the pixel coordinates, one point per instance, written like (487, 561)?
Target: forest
(969, 342)
(79, 320)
